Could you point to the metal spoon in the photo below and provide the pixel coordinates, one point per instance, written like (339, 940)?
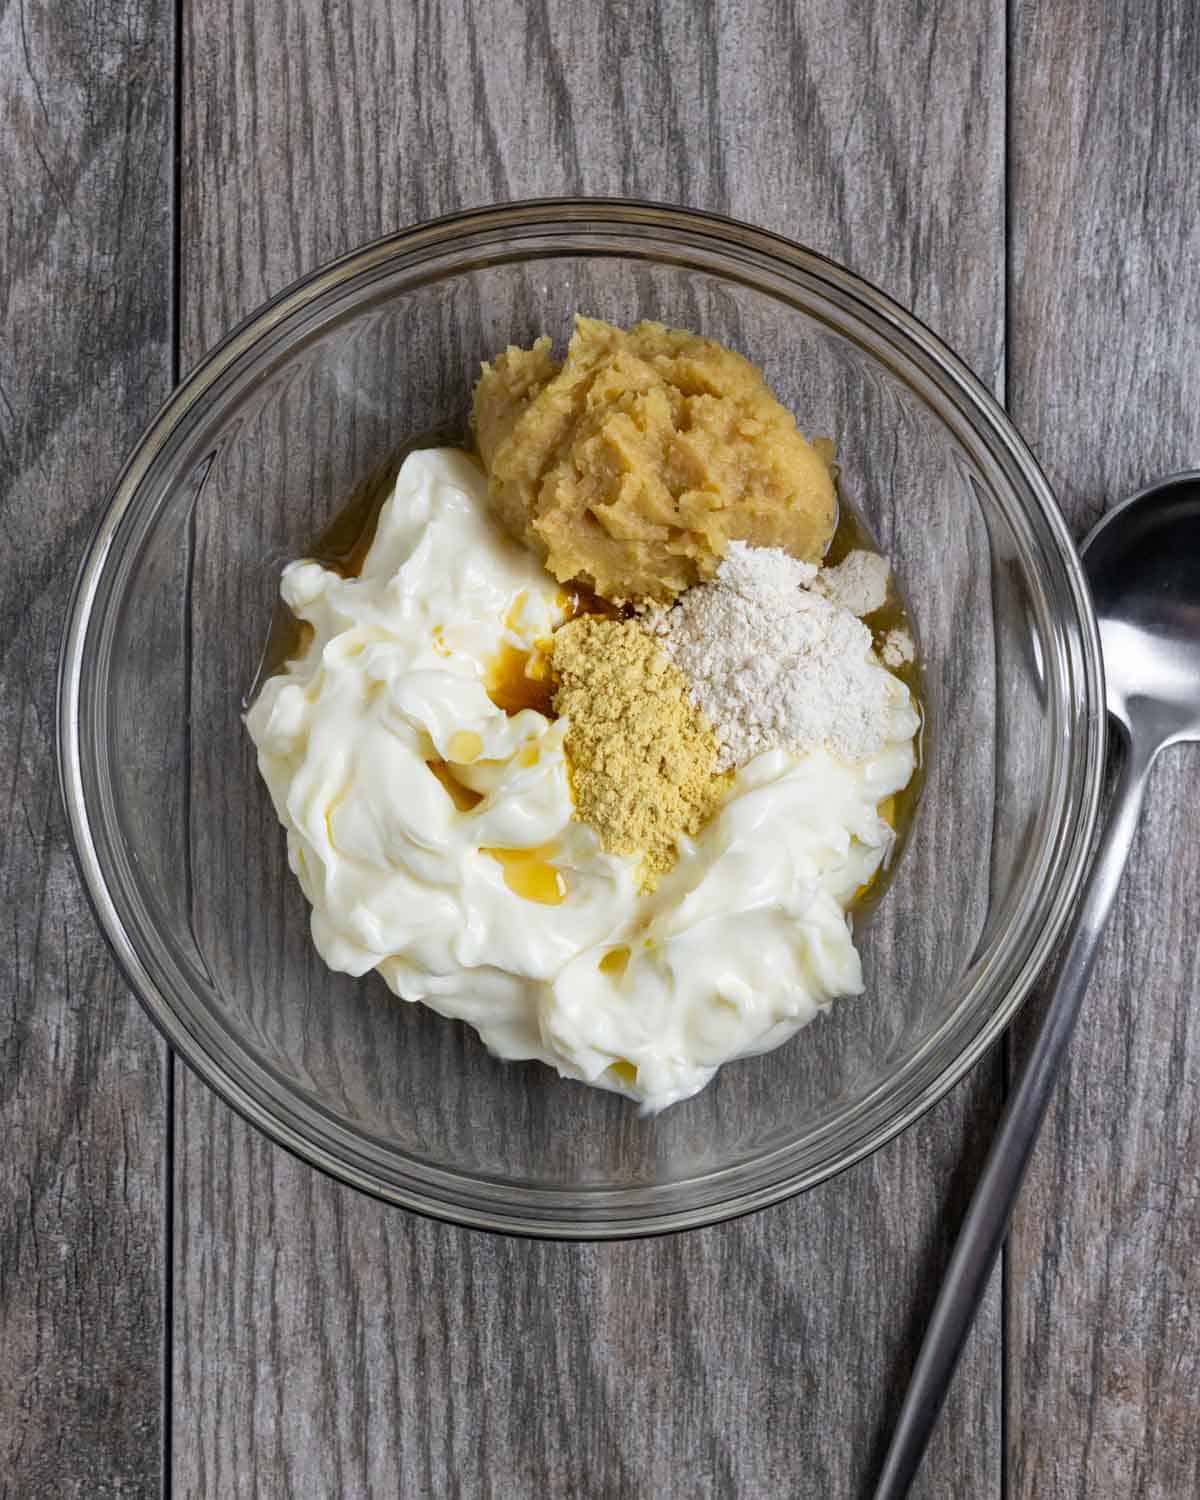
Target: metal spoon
(1143, 563)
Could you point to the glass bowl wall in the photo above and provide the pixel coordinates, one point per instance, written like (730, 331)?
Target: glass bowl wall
(185, 861)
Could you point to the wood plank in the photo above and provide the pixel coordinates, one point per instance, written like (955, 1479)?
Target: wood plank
(1105, 383)
(325, 1344)
(85, 256)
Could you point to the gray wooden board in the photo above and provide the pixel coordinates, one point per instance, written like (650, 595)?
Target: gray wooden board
(1104, 380)
(325, 1344)
(85, 297)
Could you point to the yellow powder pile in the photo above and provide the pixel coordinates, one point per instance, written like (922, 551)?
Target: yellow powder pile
(642, 758)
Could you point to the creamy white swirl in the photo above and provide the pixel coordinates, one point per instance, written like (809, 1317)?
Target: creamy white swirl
(366, 738)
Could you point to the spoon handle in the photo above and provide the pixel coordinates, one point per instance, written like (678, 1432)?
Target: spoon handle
(986, 1223)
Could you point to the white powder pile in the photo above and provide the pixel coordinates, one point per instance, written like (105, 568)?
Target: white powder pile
(775, 664)
(858, 583)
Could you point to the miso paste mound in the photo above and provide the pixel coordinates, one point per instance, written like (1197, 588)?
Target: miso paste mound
(634, 464)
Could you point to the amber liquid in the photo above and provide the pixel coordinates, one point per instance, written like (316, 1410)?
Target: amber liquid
(465, 798)
(517, 680)
(853, 534)
(531, 873)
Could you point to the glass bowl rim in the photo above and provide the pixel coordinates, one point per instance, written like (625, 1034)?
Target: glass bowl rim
(607, 1213)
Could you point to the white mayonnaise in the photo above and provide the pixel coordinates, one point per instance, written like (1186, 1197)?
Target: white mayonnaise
(558, 958)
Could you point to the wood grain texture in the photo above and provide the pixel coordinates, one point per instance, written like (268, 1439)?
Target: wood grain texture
(325, 1344)
(85, 258)
(1104, 380)
(328, 1345)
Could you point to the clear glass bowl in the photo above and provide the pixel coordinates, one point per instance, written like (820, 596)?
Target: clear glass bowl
(185, 862)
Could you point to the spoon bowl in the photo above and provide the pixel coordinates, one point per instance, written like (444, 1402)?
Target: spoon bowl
(1143, 564)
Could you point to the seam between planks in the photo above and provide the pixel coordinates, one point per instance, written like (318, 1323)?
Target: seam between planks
(1006, 1048)
(174, 314)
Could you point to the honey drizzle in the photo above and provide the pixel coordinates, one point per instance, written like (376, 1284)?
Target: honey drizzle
(511, 686)
(575, 599)
(529, 873)
(615, 962)
(517, 679)
(464, 797)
